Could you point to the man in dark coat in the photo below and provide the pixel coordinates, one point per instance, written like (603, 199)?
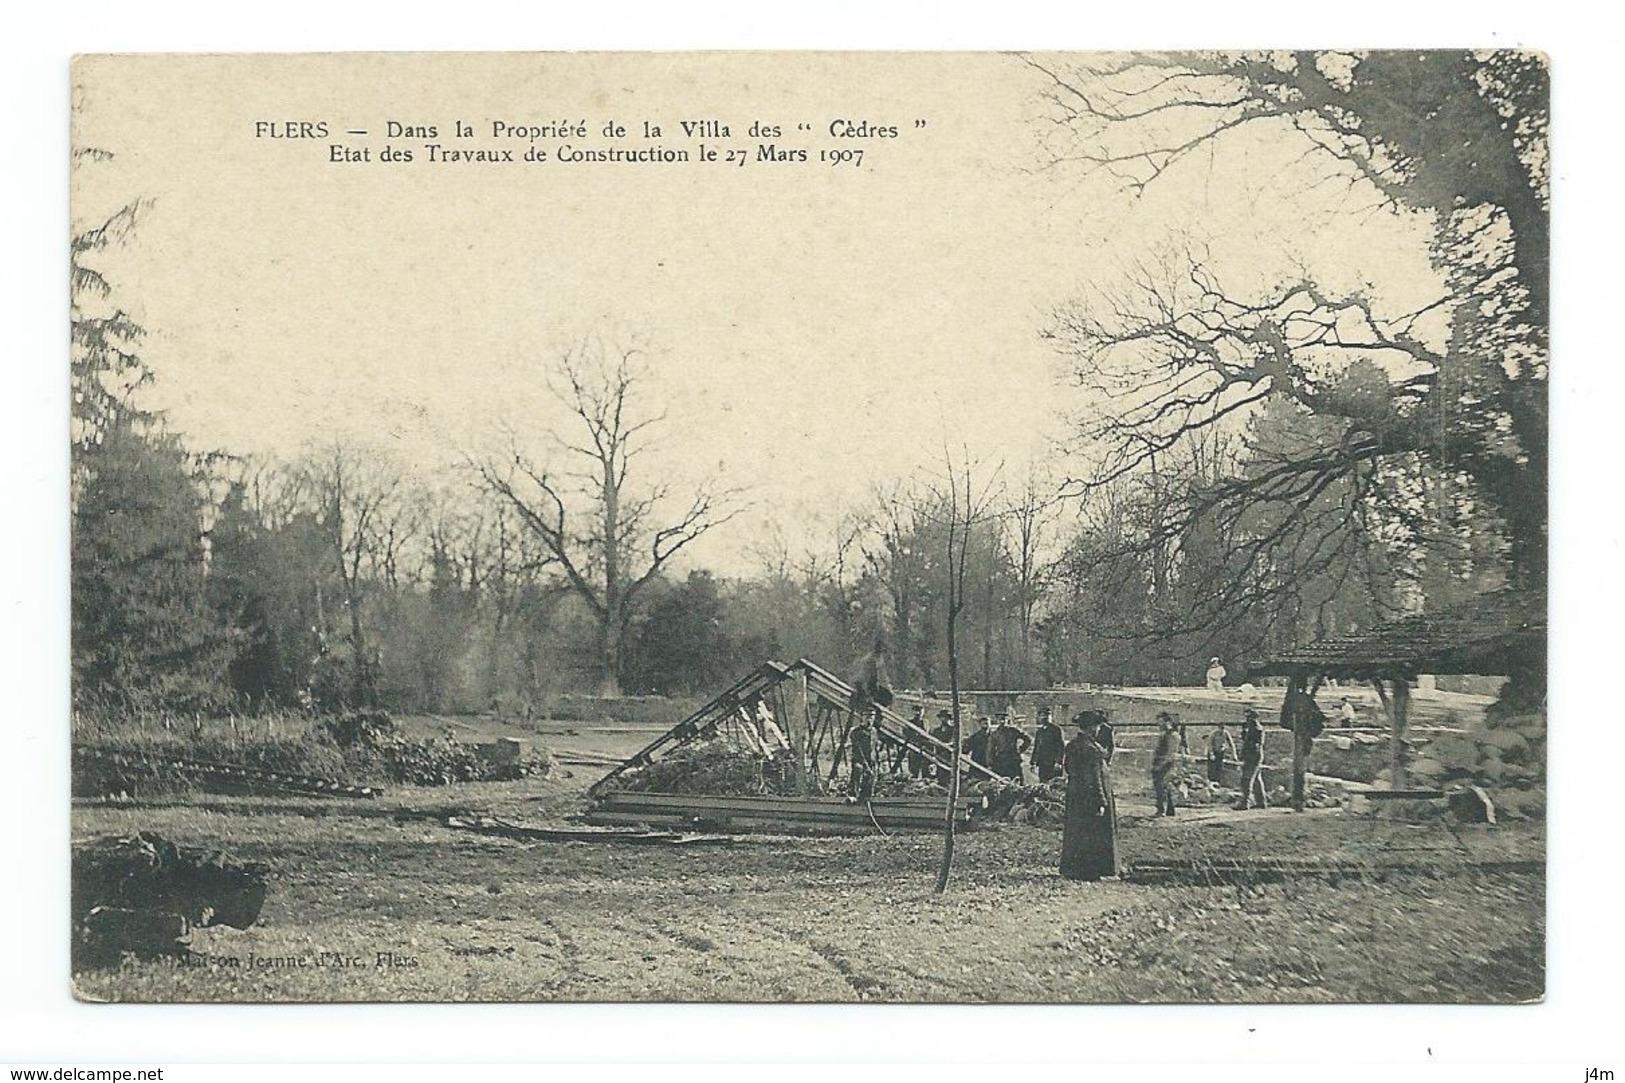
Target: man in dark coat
(944, 732)
(1006, 746)
(916, 755)
(1048, 745)
(861, 783)
(1164, 762)
(1106, 735)
(976, 743)
(1252, 760)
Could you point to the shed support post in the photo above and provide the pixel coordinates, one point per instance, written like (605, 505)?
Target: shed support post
(1300, 744)
(1396, 708)
(1291, 719)
(1402, 707)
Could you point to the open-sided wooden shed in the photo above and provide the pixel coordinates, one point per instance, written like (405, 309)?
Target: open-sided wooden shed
(1501, 632)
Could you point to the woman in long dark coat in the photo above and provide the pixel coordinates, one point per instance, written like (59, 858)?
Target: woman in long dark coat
(1089, 841)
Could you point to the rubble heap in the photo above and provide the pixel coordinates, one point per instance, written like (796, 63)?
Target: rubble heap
(713, 768)
(374, 745)
(1506, 759)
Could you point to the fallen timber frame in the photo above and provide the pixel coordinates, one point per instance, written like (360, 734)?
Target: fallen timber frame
(491, 825)
(228, 775)
(818, 718)
(623, 807)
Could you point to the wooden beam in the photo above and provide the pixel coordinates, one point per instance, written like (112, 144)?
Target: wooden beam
(801, 712)
(626, 799)
(1396, 729)
(1402, 709)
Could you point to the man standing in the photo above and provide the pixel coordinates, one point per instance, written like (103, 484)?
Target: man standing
(1252, 760)
(861, 783)
(1106, 735)
(944, 732)
(1221, 748)
(916, 755)
(1049, 744)
(976, 743)
(1005, 748)
(1164, 761)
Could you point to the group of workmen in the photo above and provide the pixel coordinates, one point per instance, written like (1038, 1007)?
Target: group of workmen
(1172, 745)
(1001, 747)
(1004, 748)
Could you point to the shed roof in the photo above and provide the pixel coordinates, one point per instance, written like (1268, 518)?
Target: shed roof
(1488, 633)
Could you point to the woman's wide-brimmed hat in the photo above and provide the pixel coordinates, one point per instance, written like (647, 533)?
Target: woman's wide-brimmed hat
(1085, 719)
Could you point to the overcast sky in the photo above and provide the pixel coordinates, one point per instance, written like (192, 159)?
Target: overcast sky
(817, 330)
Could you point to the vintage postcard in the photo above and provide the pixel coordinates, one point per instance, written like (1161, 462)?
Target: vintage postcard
(898, 527)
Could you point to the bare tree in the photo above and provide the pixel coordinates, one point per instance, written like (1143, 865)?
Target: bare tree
(588, 514)
(902, 565)
(1460, 138)
(1032, 513)
(968, 501)
(366, 518)
(1174, 362)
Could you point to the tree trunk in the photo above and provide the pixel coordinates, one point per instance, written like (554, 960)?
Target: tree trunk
(609, 653)
(953, 779)
(612, 617)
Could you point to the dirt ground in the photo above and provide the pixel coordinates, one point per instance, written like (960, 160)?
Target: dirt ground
(369, 903)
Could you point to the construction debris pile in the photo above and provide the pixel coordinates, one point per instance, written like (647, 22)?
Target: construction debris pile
(1192, 787)
(375, 748)
(126, 773)
(1043, 803)
(791, 746)
(143, 895)
(349, 755)
(1317, 793)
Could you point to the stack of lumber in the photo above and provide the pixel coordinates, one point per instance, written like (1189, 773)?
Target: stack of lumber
(774, 813)
(491, 825)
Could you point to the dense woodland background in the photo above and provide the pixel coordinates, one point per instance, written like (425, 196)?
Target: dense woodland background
(1256, 468)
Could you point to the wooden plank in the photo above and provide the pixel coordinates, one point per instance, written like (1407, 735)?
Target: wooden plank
(627, 798)
(764, 823)
(488, 825)
(851, 814)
